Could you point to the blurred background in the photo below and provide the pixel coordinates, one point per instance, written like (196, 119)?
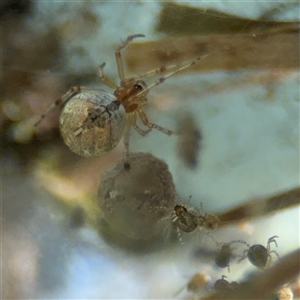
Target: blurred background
(241, 99)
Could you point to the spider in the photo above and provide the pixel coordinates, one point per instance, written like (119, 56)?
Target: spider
(185, 220)
(92, 121)
(188, 219)
(259, 255)
(225, 254)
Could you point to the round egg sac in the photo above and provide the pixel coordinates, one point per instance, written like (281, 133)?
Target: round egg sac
(92, 123)
(138, 204)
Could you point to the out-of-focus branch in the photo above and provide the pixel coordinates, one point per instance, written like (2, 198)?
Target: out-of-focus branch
(259, 49)
(256, 208)
(181, 19)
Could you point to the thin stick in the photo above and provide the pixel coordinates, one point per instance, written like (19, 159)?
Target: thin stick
(256, 208)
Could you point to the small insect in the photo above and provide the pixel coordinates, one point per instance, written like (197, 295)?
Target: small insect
(222, 285)
(260, 256)
(225, 254)
(93, 121)
(189, 141)
(196, 283)
(207, 221)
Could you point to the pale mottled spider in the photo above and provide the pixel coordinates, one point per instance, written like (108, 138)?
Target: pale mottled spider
(188, 219)
(93, 121)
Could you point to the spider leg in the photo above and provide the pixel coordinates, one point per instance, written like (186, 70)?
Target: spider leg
(141, 131)
(270, 258)
(168, 217)
(118, 53)
(179, 291)
(179, 235)
(209, 234)
(175, 218)
(241, 242)
(73, 91)
(177, 196)
(201, 209)
(272, 240)
(131, 118)
(275, 253)
(152, 125)
(67, 96)
(104, 79)
(162, 79)
(160, 70)
(243, 256)
(169, 68)
(126, 148)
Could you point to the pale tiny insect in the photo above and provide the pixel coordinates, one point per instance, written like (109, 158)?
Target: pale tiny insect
(194, 285)
(259, 255)
(225, 254)
(92, 121)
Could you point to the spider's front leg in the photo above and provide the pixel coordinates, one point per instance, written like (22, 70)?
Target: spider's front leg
(118, 53)
(152, 125)
(67, 96)
(104, 79)
(73, 91)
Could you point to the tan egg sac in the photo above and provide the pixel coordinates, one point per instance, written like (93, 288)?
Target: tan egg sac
(136, 204)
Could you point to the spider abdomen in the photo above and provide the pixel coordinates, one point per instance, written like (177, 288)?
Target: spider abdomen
(92, 123)
(187, 222)
(258, 255)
